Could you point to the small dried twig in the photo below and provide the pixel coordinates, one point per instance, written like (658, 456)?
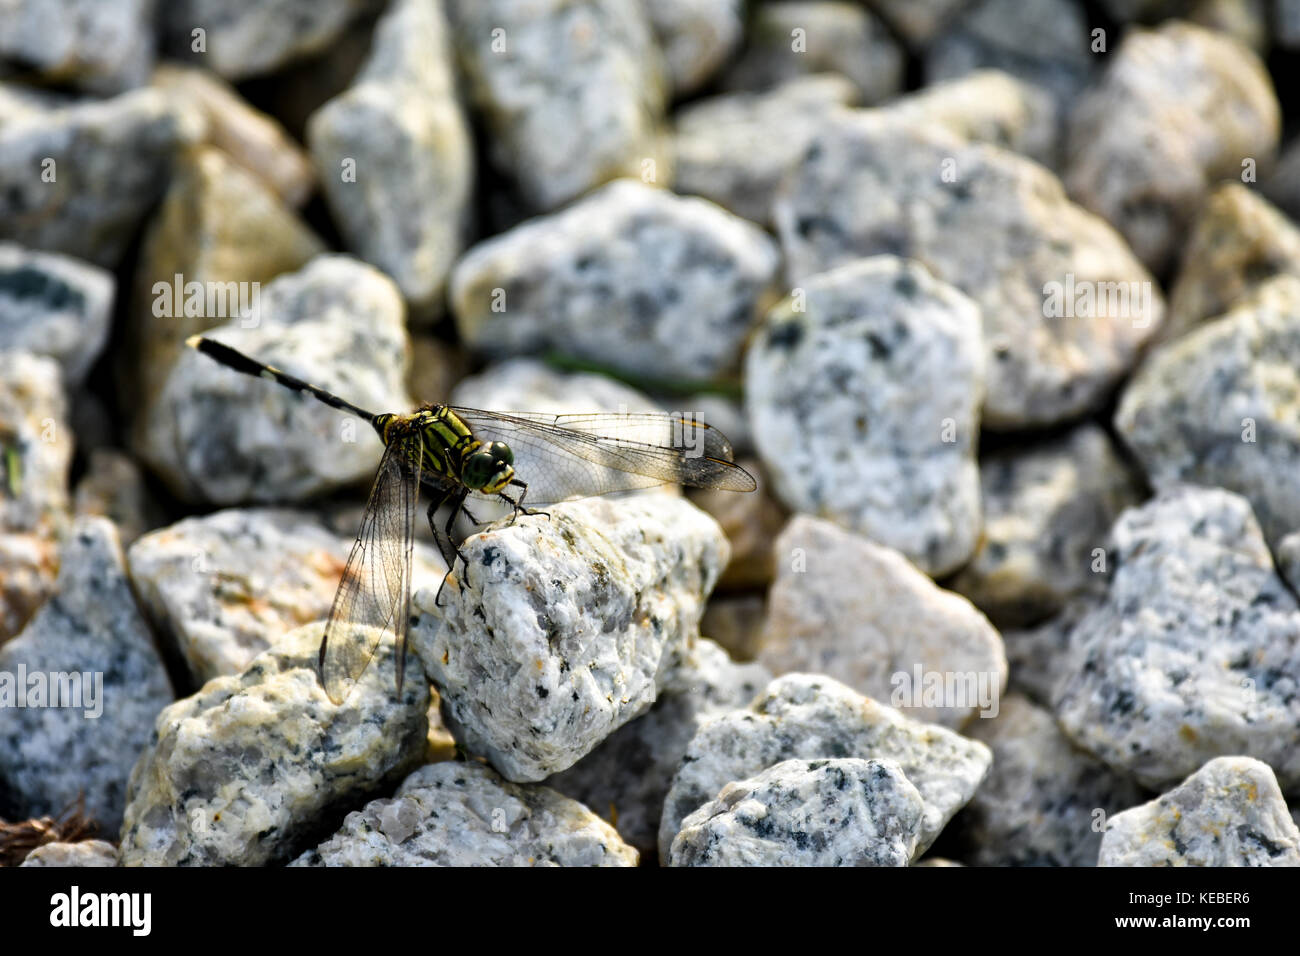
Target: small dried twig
(71, 826)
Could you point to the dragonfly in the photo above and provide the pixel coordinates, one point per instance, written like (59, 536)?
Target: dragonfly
(457, 454)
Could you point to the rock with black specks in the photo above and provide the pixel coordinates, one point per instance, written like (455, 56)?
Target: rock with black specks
(80, 179)
(245, 771)
(630, 277)
(89, 655)
(1228, 813)
(54, 305)
(863, 389)
(221, 437)
(1045, 802)
(1177, 109)
(843, 812)
(628, 775)
(1220, 406)
(811, 717)
(696, 36)
(572, 94)
(1066, 306)
(1047, 507)
(1195, 652)
(465, 814)
(100, 46)
(404, 206)
(561, 629)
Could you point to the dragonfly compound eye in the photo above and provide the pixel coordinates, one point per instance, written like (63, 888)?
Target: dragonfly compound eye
(501, 452)
(487, 469)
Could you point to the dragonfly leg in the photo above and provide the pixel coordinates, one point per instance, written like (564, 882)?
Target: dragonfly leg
(452, 552)
(518, 503)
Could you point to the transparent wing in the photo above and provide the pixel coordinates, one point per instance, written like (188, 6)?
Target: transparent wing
(574, 456)
(375, 593)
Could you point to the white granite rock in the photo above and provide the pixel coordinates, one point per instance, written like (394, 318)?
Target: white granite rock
(735, 148)
(80, 179)
(811, 717)
(1045, 802)
(54, 305)
(572, 93)
(1047, 507)
(845, 812)
(79, 688)
(1066, 306)
(561, 629)
(465, 814)
(862, 614)
(245, 770)
(1176, 109)
(225, 438)
(395, 158)
(1228, 813)
(863, 389)
(243, 38)
(1195, 652)
(628, 775)
(631, 277)
(1220, 406)
(101, 46)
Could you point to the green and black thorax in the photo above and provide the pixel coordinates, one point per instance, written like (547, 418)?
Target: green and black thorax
(449, 449)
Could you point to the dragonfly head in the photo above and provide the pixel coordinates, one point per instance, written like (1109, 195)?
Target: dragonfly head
(489, 468)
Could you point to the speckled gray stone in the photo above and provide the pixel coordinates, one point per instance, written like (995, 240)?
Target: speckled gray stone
(812, 717)
(244, 771)
(1239, 242)
(696, 37)
(54, 305)
(101, 46)
(791, 39)
(1001, 230)
(223, 587)
(1045, 802)
(572, 93)
(1196, 651)
(1219, 406)
(627, 777)
(1176, 109)
(631, 277)
(1045, 43)
(90, 647)
(846, 812)
(405, 205)
(1047, 509)
(863, 614)
(465, 814)
(1038, 656)
(864, 388)
(564, 628)
(225, 438)
(244, 38)
(735, 148)
(85, 853)
(1228, 813)
(110, 164)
